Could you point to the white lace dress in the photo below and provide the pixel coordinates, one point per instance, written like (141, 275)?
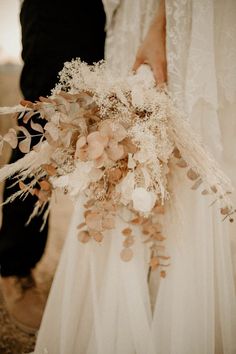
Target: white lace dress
(101, 305)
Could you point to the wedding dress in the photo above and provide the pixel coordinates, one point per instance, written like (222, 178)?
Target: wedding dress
(99, 304)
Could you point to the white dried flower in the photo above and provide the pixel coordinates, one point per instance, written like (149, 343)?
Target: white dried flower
(77, 181)
(143, 200)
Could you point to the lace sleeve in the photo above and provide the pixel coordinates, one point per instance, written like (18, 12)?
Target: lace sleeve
(201, 48)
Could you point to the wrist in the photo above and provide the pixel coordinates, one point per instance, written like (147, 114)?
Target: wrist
(159, 21)
(159, 25)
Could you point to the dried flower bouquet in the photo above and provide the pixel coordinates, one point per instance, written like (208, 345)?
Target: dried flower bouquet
(117, 141)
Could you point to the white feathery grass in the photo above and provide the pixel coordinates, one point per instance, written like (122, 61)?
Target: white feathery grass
(16, 109)
(27, 164)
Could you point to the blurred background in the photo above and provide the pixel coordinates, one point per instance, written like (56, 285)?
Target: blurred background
(12, 340)
(10, 61)
(10, 37)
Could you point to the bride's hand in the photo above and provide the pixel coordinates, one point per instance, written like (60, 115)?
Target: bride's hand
(153, 49)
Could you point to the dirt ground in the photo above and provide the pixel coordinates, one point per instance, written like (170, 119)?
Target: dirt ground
(12, 340)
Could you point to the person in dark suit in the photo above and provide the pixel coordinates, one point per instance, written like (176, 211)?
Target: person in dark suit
(53, 32)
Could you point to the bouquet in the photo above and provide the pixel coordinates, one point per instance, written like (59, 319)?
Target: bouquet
(116, 141)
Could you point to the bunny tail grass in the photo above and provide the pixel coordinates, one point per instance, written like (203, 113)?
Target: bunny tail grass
(28, 163)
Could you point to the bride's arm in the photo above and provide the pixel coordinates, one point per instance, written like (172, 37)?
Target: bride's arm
(153, 49)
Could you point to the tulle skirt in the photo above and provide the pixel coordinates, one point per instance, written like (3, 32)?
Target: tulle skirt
(100, 304)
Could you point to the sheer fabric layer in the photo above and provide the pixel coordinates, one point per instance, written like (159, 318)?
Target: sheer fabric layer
(101, 305)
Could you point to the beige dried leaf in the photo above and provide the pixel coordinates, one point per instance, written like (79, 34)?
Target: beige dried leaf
(98, 236)
(46, 100)
(34, 191)
(126, 254)
(119, 132)
(157, 226)
(109, 206)
(197, 184)
(205, 192)
(27, 116)
(148, 239)
(95, 150)
(225, 210)
(81, 142)
(83, 236)
(66, 138)
(50, 140)
(105, 129)
(154, 262)
(214, 189)
(24, 145)
(89, 203)
(129, 241)
(37, 147)
(43, 195)
(127, 231)
(36, 126)
(192, 175)
(63, 105)
(108, 222)
(163, 274)
(80, 226)
(87, 212)
(94, 220)
(50, 169)
(53, 130)
(182, 163)
(101, 161)
(164, 257)
(95, 174)
(115, 151)
(159, 237)
(27, 103)
(82, 154)
(148, 228)
(11, 138)
(137, 221)
(159, 209)
(114, 175)
(97, 137)
(176, 153)
(22, 186)
(45, 185)
(129, 146)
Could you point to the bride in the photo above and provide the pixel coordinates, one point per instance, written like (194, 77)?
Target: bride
(101, 305)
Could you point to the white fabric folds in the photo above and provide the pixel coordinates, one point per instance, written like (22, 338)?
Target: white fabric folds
(101, 305)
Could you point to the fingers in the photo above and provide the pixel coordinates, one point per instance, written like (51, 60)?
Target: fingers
(159, 75)
(138, 62)
(159, 68)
